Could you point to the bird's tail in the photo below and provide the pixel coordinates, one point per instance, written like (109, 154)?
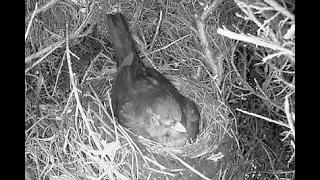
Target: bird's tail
(121, 38)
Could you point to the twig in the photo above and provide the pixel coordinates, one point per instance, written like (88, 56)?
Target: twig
(201, 27)
(166, 46)
(34, 124)
(270, 159)
(48, 50)
(75, 89)
(280, 9)
(44, 50)
(58, 75)
(30, 22)
(289, 115)
(253, 40)
(42, 8)
(264, 118)
(205, 47)
(247, 9)
(40, 82)
(74, 35)
(157, 31)
(247, 86)
(207, 11)
(188, 166)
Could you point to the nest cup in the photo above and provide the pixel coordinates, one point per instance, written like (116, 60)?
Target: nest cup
(214, 123)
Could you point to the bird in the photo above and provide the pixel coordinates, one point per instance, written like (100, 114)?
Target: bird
(144, 100)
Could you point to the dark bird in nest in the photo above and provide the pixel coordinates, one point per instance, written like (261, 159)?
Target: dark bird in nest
(143, 99)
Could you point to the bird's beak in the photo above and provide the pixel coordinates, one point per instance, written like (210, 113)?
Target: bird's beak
(179, 127)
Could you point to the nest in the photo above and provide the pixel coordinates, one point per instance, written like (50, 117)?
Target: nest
(214, 122)
(214, 125)
(70, 129)
(97, 133)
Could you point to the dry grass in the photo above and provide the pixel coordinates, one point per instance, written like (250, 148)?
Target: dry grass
(248, 94)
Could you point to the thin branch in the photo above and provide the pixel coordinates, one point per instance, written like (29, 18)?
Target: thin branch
(201, 27)
(166, 46)
(48, 50)
(254, 40)
(264, 118)
(290, 116)
(42, 8)
(157, 31)
(208, 10)
(30, 22)
(280, 9)
(188, 166)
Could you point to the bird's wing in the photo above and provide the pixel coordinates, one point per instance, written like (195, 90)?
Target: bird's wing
(192, 118)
